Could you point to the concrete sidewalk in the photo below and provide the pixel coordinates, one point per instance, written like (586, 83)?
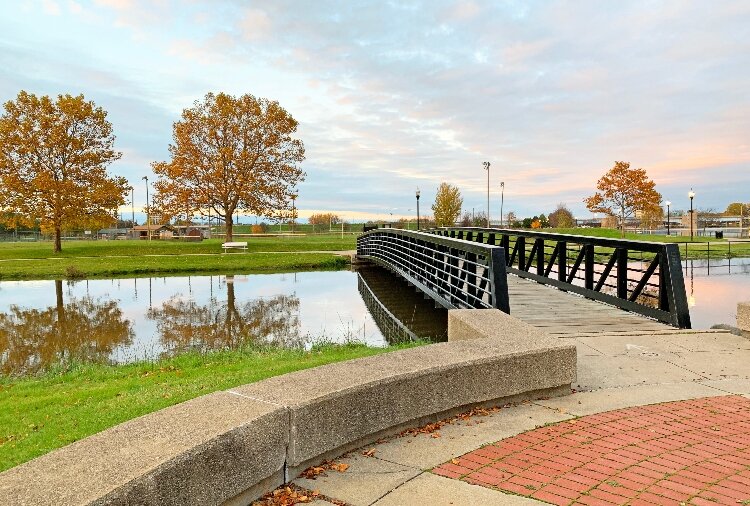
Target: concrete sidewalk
(615, 371)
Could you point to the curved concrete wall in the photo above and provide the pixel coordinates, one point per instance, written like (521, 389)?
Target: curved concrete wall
(232, 446)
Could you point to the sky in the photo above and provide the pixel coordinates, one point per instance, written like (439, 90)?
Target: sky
(394, 96)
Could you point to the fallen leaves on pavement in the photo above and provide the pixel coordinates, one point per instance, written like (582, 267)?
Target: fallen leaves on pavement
(287, 495)
(314, 471)
(434, 428)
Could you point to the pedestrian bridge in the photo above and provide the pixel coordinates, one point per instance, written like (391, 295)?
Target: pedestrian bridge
(467, 268)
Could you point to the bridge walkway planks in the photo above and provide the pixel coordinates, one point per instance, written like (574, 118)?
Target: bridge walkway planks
(567, 314)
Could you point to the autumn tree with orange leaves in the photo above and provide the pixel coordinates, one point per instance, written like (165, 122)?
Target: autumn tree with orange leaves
(53, 159)
(622, 192)
(228, 154)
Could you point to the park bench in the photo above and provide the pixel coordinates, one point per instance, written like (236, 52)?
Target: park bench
(234, 245)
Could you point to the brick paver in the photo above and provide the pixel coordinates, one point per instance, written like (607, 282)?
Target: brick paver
(687, 452)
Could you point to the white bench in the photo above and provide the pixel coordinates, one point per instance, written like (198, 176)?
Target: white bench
(234, 245)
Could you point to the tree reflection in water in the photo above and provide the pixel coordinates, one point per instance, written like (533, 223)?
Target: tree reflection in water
(185, 325)
(84, 329)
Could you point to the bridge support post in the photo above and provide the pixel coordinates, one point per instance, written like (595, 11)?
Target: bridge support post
(499, 277)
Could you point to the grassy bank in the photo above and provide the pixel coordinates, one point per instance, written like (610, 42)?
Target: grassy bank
(118, 266)
(93, 259)
(39, 414)
(103, 248)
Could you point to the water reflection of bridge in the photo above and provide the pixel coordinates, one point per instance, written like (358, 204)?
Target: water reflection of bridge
(400, 312)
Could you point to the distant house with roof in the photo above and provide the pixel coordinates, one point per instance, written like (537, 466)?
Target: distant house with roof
(113, 233)
(154, 231)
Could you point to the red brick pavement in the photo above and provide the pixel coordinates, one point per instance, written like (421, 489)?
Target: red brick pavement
(678, 453)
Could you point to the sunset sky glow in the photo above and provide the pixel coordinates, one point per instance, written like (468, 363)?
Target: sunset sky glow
(392, 96)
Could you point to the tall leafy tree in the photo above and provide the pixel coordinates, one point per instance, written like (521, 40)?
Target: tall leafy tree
(447, 206)
(561, 217)
(622, 191)
(228, 154)
(53, 159)
(738, 209)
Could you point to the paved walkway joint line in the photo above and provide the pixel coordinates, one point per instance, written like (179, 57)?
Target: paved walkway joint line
(678, 453)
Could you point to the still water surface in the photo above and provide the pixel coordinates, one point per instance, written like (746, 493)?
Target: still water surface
(123, 320)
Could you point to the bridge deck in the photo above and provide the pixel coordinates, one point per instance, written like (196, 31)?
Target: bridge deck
(562, 313)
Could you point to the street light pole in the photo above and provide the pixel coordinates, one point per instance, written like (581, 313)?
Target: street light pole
(668, 216)
(148, 210)
(294, 198)
(132, 214)
(418, 209)
(502, 197)
(487, 168)
(691, 194)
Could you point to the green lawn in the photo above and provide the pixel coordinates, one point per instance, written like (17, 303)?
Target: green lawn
(39, 414)
(70, 249)
(129, 258)
(236, 263)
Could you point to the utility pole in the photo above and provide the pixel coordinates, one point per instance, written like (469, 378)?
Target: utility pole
(502, 197)
(148, 210)
(487, 168)
(132, 214)
(418, 209)
(668, 217)
(691, 195)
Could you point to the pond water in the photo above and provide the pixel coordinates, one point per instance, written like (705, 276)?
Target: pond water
(123, 320)
(714, 287)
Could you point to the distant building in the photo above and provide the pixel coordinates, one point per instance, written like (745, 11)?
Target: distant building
(113, 233)
(155, 231)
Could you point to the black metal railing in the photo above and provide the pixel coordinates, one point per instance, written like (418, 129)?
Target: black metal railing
(455, 273)
(642, 277)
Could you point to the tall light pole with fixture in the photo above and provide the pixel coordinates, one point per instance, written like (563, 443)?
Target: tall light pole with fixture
(148, 210)
(132, 214)
(294, 198)
(502, 197)
(668, 203)
(691, 194)
(487, 168)
(417, 209)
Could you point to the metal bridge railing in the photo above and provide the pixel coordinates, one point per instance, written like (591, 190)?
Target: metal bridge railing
(454, 272)
(642, 277)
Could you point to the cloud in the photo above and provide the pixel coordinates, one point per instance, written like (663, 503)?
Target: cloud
(391, 96)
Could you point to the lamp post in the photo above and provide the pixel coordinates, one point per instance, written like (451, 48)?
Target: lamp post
(148, 210)
(502, 197)
(132, 214)
(668, 203)
(487, 168)
(417, 209)
(691, 194)
(294, 198)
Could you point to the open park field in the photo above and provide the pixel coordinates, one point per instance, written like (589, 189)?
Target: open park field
(102, 258)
